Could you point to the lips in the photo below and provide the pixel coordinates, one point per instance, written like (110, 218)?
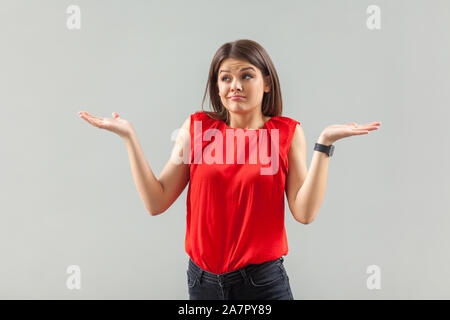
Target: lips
(236, 97)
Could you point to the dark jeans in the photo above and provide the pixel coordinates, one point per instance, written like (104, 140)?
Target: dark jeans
(264, 281)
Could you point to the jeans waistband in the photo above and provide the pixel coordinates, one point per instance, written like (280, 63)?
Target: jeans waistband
(228, 276)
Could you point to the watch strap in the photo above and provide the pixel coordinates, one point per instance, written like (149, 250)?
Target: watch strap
(329, 150)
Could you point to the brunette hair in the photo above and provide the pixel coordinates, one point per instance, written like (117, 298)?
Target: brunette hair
(255, 54)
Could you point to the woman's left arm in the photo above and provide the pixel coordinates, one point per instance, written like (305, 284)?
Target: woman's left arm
(305, 189)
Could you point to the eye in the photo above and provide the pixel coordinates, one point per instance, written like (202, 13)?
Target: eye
(243, 76)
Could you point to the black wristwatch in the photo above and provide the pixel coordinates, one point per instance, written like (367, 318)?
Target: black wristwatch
(329, 150)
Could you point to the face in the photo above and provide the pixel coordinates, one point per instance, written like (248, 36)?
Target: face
(238, 77)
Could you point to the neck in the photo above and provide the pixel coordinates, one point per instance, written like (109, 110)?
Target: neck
(247, 121)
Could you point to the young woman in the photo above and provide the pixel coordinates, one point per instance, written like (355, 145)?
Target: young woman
(235, 235)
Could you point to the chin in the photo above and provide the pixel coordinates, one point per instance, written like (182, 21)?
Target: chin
(236, 108)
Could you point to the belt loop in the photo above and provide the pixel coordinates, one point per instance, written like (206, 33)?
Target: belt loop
(281, 259)
(244, 275)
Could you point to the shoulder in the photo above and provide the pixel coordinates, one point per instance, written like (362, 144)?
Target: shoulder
(298, 134)
(298, 141)
(287, 125)
(286, 120)
(206, 118)
(291, 131)
(201, 115)
(198, 115)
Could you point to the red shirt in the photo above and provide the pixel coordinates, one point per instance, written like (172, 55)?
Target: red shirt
(235, 208)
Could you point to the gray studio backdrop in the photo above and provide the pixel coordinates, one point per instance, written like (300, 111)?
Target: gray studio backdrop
(67, 193)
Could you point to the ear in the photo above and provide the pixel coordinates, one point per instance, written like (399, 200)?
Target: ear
(267, 82)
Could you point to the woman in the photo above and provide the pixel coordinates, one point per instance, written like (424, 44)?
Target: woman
(235, 235)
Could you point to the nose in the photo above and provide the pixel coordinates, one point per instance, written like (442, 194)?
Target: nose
(236, 86)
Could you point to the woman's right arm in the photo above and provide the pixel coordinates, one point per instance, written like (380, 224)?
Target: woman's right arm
(159, 194)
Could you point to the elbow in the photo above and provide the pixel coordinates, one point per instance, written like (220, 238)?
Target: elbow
(157, 210)
(306, 219)
(302, 214)
(154, 212)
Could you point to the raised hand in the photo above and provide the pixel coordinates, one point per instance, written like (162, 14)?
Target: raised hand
(117, 125)
(338, 131)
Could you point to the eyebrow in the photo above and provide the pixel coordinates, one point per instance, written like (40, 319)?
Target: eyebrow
(241, 69)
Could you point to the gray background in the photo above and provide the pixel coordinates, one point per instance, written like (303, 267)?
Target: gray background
(67, 193)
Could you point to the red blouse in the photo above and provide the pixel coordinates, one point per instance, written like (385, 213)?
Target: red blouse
(235, 207)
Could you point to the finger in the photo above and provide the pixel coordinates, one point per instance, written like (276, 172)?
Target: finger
(359, 130)
(367, 127)
(94, 121)
(83, 116)
(91, 119)
(89, 116)
(375, 123)
(82, 113)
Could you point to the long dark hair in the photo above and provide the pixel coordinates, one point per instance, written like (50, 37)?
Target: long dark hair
(254, 53)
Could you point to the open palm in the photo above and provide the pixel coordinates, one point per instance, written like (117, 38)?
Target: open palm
(117, 125)
(339, 131)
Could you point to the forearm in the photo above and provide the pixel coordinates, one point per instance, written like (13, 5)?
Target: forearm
(310, 196)
(148, 186)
